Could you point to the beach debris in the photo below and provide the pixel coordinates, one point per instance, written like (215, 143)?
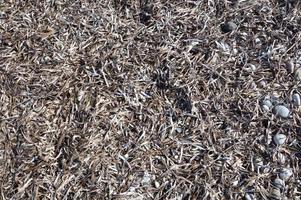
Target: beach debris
(285, 173)
(281, 111)
(279, 139)
(296, 99)
(297, 74)
(249, 196)
(267, 105)
(290, 67)
(279, 183)
(228, 27)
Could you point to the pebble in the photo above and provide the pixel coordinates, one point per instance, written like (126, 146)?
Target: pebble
(266, 105)
(228, 27)
(279, 139)
(298, 74)
(281, 111)
(296, 99)
(279, 183)
(290, 67)
(285, 173)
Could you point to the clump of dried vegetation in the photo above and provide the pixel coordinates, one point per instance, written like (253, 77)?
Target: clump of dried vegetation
(149, 99)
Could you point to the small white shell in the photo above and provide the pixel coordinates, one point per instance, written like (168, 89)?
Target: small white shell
(285, 173)
(235, 183)
(279, 183)
(253, 67)
(269, 139)
(268, 103)
(265, 108)
(179, 130)
(298, 74)
(290, 66)
(296, 99)
(249, 196)
(279, 139)
(81, 95)
(281, 158)
(157, 184)
(281, 111)
(276, 193)
(146, 180)
(263, 83)
(257, 40)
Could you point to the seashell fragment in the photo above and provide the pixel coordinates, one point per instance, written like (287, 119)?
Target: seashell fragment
(285, 173)
(276, 193)
(228, 27)
(279, 183)
(281, 111)
(266, 105)
(290, 67)
(281, 158)
(279, 139)
(297, 74)
(249, 196)
(296, 99)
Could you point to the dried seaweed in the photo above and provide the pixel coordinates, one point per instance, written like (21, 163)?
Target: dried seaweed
(148, 99)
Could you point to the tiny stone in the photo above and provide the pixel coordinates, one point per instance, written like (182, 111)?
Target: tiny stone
(298, 74)
(296, 99)
(290, 67)
(281, 111)
(279, 139)
(285, 173)
(228, 27)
